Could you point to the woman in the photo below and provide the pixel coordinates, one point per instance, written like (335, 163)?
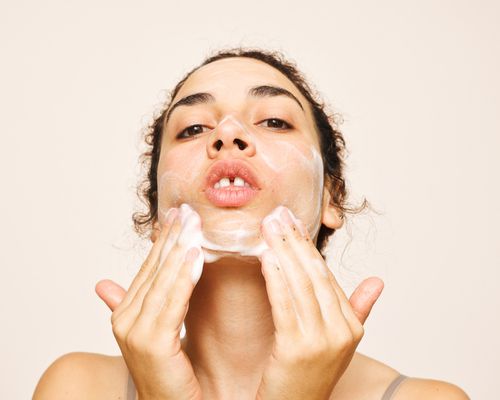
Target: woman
(245, 185)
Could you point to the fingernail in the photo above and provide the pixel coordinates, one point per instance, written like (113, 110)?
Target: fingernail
(285, 217)
(275, 227)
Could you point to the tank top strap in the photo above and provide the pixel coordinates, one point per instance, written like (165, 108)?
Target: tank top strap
(393, 386)
(130, 388)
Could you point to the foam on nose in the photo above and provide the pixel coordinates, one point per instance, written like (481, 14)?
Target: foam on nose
(235, 121)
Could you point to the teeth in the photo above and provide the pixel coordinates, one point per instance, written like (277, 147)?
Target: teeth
(225, 182)
(239, 182)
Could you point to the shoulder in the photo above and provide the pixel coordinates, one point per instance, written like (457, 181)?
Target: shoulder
(377, 376)
(418, 388)
(81, 375)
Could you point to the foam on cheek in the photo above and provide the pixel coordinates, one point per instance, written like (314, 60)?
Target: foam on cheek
(283, 158)
(180, 173)
(233, 232)
(192, 236)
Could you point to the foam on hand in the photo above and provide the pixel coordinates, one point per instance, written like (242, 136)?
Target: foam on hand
(192, 236)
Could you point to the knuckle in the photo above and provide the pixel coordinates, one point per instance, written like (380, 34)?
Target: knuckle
(358, 332)
(119, 329)
(173, 302)
(286, 306)
(152, 301)
(114, 318)
(307, 286)
(119, 333)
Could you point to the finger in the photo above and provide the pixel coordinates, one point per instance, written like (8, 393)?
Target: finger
(162, 286)
(297, 279)
(174, 307)
(110, 292)
(133, 306)
(153, 257)
(314, 265)
(285, 317)
(364, 297)
(345, 305)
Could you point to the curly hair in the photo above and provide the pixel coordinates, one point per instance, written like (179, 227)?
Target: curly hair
(332, 144)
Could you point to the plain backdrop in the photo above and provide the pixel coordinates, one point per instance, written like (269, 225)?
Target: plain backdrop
(417, 83)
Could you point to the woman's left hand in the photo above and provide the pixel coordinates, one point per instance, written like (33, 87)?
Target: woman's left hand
(317, 329)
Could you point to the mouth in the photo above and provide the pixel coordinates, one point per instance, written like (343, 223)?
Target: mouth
(231, 183)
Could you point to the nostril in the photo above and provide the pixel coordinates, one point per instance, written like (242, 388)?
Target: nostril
(241, 144)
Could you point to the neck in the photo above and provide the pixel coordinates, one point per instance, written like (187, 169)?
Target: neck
(229, 326)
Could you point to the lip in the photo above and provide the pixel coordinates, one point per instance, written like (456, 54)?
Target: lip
(231, 196)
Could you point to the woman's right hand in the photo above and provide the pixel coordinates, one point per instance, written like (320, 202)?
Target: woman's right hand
(147, 319)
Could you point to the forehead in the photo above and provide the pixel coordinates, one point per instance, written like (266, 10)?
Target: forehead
(234, 76)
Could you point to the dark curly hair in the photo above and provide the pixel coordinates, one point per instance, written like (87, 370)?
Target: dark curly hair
(332, 143)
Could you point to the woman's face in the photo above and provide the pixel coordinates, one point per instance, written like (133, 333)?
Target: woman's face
(235, 122)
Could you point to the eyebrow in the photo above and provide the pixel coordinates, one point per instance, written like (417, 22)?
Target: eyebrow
(256, 91)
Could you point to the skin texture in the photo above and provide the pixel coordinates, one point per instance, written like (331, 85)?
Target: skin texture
(268, 330)
(287, 162)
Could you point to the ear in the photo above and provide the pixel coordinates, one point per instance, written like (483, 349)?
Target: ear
(331, 216)
(155, 232)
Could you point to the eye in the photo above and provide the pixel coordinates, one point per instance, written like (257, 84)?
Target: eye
(277, 123)
(191, 131)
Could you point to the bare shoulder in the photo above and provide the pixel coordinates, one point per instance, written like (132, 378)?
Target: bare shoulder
(376, 378)
(418, 388)
(81, 375)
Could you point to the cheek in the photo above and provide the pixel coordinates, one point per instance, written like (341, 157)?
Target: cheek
(177, 176)
(297, 178)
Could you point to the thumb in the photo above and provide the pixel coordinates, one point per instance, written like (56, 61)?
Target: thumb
(110, 292)
(364, 297)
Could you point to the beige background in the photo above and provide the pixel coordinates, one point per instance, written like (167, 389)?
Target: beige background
(417, 83)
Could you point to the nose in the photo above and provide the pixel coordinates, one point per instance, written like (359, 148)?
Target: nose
(230, 136)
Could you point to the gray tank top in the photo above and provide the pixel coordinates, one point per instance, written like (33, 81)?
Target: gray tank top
(391, 389)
